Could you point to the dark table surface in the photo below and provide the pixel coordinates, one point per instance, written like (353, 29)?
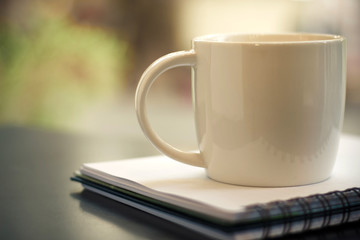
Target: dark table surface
(38, 201)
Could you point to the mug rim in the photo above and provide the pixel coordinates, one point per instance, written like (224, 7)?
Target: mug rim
(269, 38)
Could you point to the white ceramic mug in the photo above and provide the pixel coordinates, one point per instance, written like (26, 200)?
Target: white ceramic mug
(268, 107)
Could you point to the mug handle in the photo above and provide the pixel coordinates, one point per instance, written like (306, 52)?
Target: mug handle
(169, 61)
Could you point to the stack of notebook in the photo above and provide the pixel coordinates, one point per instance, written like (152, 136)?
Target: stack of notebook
(184, 195)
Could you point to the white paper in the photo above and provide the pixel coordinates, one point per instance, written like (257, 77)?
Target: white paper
(163, 178)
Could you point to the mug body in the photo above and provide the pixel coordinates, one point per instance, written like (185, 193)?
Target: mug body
(269, 108)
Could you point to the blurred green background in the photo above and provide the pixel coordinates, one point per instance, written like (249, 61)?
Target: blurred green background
(73, 65)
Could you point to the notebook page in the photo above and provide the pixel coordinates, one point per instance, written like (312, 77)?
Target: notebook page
(166, 176)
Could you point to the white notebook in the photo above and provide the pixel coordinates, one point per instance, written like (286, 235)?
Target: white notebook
(182, 185)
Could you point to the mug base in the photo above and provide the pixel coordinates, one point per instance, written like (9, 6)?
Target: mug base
(270, 184)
